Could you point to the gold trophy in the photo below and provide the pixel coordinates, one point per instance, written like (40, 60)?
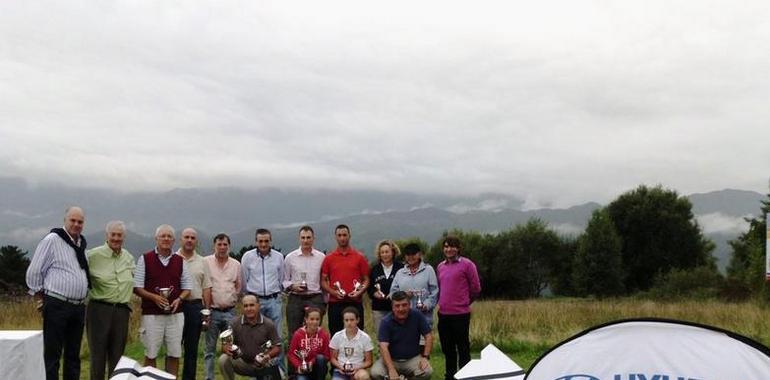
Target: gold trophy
(165, 293)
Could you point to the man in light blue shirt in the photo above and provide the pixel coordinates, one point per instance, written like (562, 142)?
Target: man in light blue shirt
(262, 270)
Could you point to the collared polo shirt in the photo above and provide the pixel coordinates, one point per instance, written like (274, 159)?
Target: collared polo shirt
(250, 337)
(345, 267)
(403, 337)
(112, 274)
(358, 346)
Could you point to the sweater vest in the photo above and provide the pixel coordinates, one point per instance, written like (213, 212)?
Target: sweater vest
(158, 276)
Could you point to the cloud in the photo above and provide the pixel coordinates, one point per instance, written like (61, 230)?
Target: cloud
(718, 222)
(450, 97)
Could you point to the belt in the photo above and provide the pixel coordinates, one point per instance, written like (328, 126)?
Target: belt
(267, 297)
(194, 302)
(65, 299)
(306, 295)
(123, 305)
(222, 309)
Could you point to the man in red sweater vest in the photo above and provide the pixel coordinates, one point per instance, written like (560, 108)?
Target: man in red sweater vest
(162, 281)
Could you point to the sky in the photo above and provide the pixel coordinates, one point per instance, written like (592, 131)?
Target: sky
(556, 102)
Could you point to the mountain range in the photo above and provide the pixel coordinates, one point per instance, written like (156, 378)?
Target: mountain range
(27, 212)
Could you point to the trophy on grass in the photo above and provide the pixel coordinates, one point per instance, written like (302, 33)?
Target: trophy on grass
(304, 366)
(347, 366)
(165, 293)
(263, 358)
(340, 291)
(227, 340)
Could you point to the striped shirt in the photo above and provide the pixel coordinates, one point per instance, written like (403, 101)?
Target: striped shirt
(262, 275)
(186, 282)
(55, 268)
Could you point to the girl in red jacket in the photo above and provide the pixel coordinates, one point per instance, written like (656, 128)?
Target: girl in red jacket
(312, 342)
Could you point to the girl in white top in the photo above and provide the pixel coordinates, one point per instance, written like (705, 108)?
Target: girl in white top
(351, 349)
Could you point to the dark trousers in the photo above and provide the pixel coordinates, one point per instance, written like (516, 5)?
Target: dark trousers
(62, 331)
(295, 310)
(454, 332)
(107, 331)
(191, 335)
(335, 315)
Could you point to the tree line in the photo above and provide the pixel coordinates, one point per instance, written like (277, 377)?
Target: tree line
(646, 241)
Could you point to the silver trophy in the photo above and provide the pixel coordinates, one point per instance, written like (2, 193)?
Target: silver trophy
(347, 366)
(205, 314)
(262, 359)
(339, 289)
(303, 280)
(304, 366)
(165, 293)
(379, 290)
(357, 286)
(418, 293)
(227, 340)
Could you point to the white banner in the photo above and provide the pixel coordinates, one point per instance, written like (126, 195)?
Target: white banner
(654, 349)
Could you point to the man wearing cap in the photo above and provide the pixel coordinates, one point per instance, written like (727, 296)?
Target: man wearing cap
(58, 277)
(199, 299)
(108, 311)
(226, 283)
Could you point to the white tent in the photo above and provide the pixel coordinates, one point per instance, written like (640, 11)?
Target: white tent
(129, 369)
(494, 364)
(657, 349)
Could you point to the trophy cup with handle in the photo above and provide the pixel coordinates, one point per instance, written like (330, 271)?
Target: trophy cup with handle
(357, 286)
(347, 366)
(303, 281)
(379, 290)
(262, 359)
(304, 366)
(340, 291)
(418, 294)
(227, 339)
(165, 293)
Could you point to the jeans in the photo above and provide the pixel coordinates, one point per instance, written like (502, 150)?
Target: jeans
(220, 321)
(272, 308)
(191, 335)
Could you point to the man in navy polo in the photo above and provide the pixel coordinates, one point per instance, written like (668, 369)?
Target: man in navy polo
(399, 337)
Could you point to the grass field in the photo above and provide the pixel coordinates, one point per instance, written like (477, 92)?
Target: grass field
(522, 329)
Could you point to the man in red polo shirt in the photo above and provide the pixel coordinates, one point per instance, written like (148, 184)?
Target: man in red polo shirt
(341, 271)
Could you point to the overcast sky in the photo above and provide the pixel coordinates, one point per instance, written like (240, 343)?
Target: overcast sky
(556, 102)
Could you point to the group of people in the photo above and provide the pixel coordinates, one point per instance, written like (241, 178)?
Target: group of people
(184, 295)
